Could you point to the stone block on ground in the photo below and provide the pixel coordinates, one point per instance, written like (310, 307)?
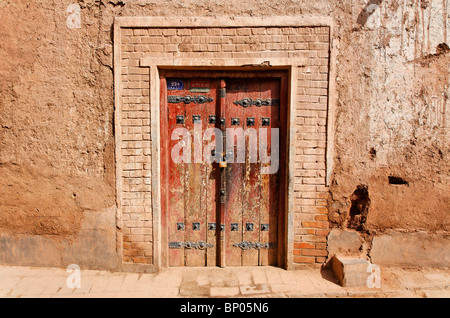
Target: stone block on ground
(351, 272)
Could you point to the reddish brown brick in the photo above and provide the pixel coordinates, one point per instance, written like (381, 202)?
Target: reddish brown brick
(314, 252)
(304, 259)
(133, 253)
(315, 238)
(323, 232)
(142, 260)
(321, 217)
(321, 259)
(315, 224)
(303, 245)
(321, 246)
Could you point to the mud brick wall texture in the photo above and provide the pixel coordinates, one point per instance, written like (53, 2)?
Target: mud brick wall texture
(388, 196)
(309, 43)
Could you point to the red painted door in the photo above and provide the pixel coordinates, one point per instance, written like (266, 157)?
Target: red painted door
(252, 115)
(221, 170)
(191, 188)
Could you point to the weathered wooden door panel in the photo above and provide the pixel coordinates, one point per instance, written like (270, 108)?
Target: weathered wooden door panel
(234, 184)
(269, 181)
(252, 204)
(176, 193)
(195, 196)
(191, 179)
(239, 202)
(212, 177)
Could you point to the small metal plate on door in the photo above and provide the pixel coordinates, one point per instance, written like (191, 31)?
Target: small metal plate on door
(234, 226)
(212, 226)
(196, 119)
(175, 85)
(196, 226)
(212, 119)
(180, 226)
(266, 121)
(180, 119)
(250, 121)
(249, 226)
(199, 86)
(264, 227)
(235, 121)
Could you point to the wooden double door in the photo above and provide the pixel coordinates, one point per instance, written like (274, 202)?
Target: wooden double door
(223, 162)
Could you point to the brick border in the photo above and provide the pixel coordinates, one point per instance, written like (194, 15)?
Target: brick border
(306, 230)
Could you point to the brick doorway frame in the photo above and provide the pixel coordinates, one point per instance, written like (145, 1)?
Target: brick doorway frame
(298, 244)
(281, 74)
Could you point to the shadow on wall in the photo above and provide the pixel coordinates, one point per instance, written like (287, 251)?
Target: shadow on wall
(368, 10)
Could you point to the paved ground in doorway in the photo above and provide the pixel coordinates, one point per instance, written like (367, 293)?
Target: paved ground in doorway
(235, 282)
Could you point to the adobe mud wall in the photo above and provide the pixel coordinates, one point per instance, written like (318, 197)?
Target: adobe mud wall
(57, 165)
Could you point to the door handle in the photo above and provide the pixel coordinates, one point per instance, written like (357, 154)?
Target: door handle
(225, 156)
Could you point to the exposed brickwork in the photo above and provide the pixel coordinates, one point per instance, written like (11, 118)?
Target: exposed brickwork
(310, 200)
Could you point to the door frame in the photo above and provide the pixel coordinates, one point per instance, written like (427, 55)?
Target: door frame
(152, 63)
(155, 65)
(283, 76)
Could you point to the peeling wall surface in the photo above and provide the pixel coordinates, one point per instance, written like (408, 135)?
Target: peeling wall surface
(390, 163)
